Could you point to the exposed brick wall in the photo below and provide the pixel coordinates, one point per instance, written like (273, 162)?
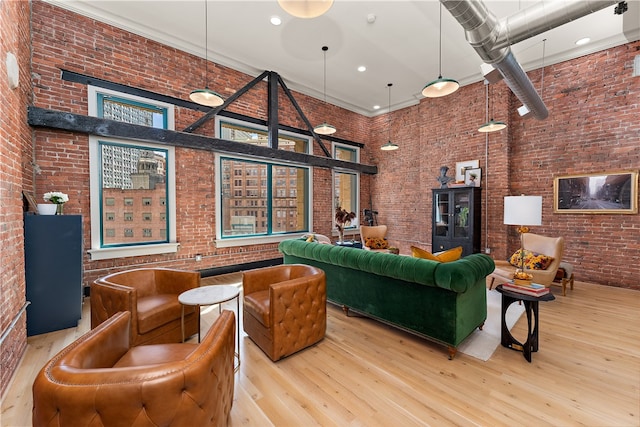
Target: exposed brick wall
(64, 40)
(16, 174)
(592, 127)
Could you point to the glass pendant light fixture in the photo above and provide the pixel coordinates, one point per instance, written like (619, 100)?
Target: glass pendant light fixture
(389, 146)
(492, 125)
(325, 128)
(206, 96)
(305, 8)
(440, 86)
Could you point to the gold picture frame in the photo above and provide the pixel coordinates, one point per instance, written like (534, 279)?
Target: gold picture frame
(597, 193)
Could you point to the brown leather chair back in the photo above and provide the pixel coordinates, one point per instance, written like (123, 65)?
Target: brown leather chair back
(101, 380)
(285, 308)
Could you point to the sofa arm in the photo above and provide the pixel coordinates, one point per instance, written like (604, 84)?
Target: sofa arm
(462, 274)
(109, 298)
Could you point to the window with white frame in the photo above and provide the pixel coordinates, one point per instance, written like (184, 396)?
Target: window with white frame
(346, 183)
(132, 182)
(269, 208)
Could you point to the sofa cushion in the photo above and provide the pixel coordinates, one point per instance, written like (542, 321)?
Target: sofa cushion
(532, 260)
(376, 242)
(449, 255)
(258, 305)
(157, 310)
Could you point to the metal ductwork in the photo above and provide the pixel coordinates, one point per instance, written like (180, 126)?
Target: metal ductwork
(492, 38)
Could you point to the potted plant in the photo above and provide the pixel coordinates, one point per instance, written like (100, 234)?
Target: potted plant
(342, 219)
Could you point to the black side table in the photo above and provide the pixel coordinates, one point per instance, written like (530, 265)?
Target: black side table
(531, 308)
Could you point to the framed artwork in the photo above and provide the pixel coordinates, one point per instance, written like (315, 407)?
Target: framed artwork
(597, 193)
(31, 201)
(462, 166)
(472, 177)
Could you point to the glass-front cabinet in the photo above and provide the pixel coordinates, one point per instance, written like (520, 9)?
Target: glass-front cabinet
(456, 219)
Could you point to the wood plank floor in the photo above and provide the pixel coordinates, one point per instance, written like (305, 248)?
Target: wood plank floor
(364, 373)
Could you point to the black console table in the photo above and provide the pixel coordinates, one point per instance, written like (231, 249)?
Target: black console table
(531, 309)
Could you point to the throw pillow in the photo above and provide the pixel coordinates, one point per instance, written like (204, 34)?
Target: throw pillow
(449, 255)
(532, 260)
(376, 243)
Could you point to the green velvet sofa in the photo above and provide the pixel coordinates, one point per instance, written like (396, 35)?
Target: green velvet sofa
(443, 302)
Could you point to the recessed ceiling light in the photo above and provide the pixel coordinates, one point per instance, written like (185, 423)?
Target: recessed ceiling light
(275, 20)
(362, 68)
(376, 107)
(582, 41)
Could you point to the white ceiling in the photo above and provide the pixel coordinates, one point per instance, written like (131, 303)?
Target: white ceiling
(400, 47)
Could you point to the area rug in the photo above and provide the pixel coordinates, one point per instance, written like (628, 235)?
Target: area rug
(482, 343)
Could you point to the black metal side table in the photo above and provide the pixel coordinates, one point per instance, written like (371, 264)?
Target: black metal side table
(531, 309)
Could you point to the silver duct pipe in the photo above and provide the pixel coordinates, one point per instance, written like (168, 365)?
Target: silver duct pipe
(492, 38)
(544, 16)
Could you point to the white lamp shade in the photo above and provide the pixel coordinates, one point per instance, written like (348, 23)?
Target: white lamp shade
(305, 8)
(523, 210)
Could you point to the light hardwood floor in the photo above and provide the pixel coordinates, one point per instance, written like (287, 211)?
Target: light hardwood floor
(587, 372)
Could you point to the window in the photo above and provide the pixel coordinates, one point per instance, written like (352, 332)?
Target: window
(127, 176)
(346, 184)
(270, 197)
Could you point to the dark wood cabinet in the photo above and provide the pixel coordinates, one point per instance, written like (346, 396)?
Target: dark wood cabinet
(456, 219)
(53, 271)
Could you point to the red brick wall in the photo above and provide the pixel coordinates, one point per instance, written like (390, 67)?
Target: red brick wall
(592, 127)
(64, 40)
(525, 158)
(16, 174)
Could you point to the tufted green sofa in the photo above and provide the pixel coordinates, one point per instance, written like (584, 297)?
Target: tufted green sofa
(443, 302)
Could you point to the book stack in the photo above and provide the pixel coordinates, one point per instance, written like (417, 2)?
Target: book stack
(533, 289)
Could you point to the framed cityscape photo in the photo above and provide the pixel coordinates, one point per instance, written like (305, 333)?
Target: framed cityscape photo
(597, 193)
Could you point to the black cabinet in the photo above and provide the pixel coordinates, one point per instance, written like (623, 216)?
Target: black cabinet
(53, 271)
(456, 219)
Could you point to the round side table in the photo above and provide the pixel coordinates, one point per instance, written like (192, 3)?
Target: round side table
(210, 295)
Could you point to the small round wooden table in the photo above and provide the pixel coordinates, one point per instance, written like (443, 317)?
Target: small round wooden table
(210, 295)
(531, 308)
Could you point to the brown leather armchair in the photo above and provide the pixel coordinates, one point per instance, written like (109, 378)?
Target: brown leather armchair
(285, 308)
(550, 246)
(101, 380)
(151, 295)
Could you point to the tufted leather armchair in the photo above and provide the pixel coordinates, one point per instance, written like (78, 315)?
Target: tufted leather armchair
(101, 380)
(285, 308)
(151, 295)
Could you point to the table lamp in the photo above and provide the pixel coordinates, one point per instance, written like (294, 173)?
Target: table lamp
(522, 211)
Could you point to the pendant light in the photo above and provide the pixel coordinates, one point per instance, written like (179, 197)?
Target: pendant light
(305, 8)
(491, 125)
(325, 128)
(206, 96)
(389, 146)
(440, 86)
